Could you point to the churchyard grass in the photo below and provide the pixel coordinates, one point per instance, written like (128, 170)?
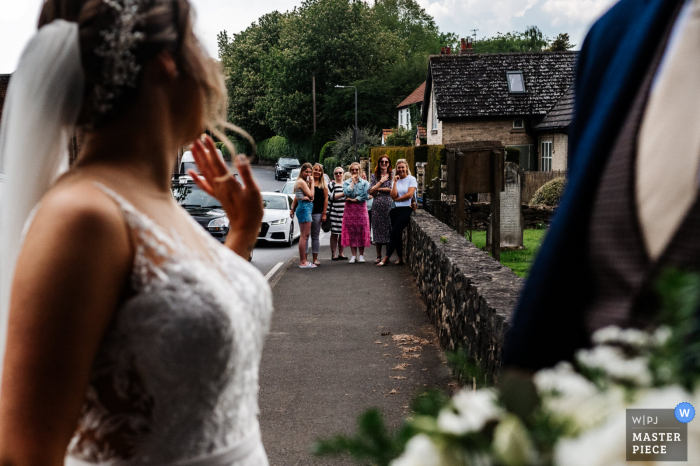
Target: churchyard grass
(519, 261)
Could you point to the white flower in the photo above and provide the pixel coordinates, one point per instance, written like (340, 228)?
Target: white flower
(613, 362)
(420, 451)
(469, 412)
(564, 381)
(662, 335)
(512, 444)
(630, 336)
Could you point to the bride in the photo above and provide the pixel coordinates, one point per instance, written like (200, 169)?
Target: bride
(131, 336)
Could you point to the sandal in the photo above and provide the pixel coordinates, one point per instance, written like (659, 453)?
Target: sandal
(342, 258)
(317, 262)
(308, 265)
(381, 264)
(379, 259)
(335, 258)
(399, 262)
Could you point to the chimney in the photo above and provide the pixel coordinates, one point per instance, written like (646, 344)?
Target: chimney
(447, 50)
(463, 48)
(469, 48)
(442, 50)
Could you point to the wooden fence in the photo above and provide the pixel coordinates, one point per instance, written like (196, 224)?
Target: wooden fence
(535, 180)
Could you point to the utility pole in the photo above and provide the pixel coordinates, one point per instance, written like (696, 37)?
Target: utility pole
(313, 93)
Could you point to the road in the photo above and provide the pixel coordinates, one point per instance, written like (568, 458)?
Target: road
(267, 256)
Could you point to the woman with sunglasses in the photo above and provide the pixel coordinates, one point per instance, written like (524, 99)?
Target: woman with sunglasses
(337, 206)
(380, 183)
(402, 193)
(356, 230)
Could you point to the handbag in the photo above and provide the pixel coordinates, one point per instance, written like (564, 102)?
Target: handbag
(326, 225)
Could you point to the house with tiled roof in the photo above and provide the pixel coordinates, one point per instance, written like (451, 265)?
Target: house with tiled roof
(503, 97)
(416, 97)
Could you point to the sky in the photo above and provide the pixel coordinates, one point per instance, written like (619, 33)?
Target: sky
(18, 19)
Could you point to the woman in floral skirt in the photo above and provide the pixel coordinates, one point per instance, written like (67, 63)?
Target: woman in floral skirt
(380, 188)
(356, 231)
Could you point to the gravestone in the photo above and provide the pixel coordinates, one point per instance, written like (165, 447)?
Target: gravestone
(511, 215)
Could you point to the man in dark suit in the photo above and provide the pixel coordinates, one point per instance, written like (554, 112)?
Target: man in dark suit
(631, 207)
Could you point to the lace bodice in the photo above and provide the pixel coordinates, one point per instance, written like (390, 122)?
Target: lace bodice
(176, 375)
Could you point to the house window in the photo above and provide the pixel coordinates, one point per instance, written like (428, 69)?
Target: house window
(434, 112)
(516, 83)
(518, 123)
(546, 156)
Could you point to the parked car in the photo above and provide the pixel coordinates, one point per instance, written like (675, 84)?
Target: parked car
(294, 174)
(204, 209)
(284, 167)
(187, 162)
(288, 188)
(277, 225)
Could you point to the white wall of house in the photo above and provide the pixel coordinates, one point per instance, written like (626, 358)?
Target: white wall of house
(434, 127)
(553, 151)
(405, 118)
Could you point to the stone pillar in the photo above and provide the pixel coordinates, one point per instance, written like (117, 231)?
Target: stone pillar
(420, 177)
(511, 204)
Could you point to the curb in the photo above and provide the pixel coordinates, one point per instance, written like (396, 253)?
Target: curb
(276, 277)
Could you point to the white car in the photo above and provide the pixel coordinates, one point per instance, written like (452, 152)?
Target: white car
(277, 225)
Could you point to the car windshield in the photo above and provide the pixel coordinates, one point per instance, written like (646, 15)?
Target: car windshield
(189, 166)
(289, 163)
(190, 195)
(288, 187)
(275, 202)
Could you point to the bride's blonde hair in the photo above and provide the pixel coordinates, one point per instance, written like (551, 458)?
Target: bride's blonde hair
(164, 25)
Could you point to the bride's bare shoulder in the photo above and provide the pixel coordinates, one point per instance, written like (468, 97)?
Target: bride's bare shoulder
(79, 215)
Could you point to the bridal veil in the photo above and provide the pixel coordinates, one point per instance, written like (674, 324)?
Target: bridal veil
(41, 108)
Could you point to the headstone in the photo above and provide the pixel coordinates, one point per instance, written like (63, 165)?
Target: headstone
(511, 200)
(420, 177)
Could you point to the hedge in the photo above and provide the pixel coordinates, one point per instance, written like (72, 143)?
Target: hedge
(329, 164)
(326, 151)
(550, 193)
(434, 156)
(277, 147)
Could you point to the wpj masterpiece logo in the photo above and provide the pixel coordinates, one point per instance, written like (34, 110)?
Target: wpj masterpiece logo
(659, 434)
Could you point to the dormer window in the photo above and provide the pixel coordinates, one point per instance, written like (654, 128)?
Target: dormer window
(516, 83)
(518, 123)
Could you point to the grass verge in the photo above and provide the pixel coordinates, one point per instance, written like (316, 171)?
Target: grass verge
(519, 261)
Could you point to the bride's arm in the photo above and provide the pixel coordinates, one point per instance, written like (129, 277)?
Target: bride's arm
(69, 277)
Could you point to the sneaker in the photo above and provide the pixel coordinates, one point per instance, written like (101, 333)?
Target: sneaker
(361, 259)
(352, 260)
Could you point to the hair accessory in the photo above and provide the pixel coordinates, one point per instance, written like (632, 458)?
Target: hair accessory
(120, 39)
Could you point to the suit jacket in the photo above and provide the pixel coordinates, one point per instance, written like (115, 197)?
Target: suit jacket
(548, 324)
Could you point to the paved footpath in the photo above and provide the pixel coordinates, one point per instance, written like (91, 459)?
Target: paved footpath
(332, 353)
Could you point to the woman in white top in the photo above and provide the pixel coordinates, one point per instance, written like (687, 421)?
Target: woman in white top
(134, 337)
(402, 193)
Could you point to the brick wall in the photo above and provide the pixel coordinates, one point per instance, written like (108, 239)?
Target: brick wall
(488, 130)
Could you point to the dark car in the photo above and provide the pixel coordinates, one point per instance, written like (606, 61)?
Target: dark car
(284, 167)
(206, 210)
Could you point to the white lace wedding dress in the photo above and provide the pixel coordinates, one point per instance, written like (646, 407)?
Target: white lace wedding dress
(175, 381)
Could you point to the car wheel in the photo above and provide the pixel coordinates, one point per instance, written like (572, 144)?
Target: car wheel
(290, 241)
(277, 178)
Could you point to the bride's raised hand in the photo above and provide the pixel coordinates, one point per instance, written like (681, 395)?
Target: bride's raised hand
(242, 203)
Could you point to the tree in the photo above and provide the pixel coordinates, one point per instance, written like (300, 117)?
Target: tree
(344, 149)
(401, 137)
(561, 43)
(531, 40)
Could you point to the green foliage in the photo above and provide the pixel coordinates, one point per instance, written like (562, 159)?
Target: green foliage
(433, 155)
(561, 43)
(318, 141)
(465, 369)
(518, 260)
(273, 148)
(381, 47)
(372, 442)
(679, 292)
(513, 155)
(344, 149)
(443, 239)
(329, 164)
(326, 151)
(531, 40)
(550, 193)
(401, 137)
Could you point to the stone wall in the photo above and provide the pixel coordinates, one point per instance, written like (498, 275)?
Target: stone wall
(484, 130)
(469, 296)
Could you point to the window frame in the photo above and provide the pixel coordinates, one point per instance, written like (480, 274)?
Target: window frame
(546, 155)
(522, 80)
(522, 123)
(434, 112)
